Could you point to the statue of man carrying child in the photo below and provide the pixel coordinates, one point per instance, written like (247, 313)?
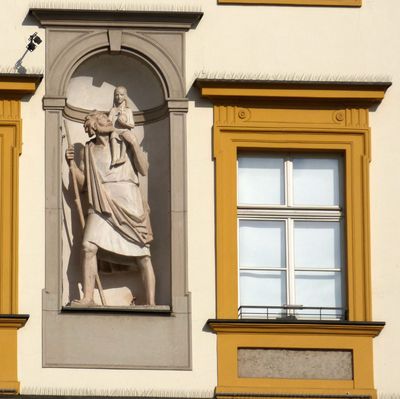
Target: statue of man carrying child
(118, 224)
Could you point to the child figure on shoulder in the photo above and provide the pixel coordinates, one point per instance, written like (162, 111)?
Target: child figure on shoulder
(122, 118)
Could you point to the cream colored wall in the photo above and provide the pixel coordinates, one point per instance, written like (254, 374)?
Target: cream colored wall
(280, 41)
(385, 233)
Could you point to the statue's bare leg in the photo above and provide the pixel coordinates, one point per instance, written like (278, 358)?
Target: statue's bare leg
(89, 251)
(148, 277)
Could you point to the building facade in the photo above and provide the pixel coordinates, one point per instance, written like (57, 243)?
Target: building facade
(269, 128)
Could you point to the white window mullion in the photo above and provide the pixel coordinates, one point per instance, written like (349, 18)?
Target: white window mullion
(289, 181)
(290, 242)
(308, 214)
(290, 263)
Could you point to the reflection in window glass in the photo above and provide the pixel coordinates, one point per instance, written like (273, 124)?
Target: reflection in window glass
(318, 289)
(262, 243)
(316, 181)
(259, 288)
(260, 180)
(317, 245)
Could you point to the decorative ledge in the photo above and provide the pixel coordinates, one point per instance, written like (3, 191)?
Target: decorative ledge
(13, 320)
(78, 114)
(142, 309)
(319, 3)
(240, 395)
(289, 76)
(127, 5)
(354, 328)
(51, 392)
(19, 84)
(181, 20)
(371, 92)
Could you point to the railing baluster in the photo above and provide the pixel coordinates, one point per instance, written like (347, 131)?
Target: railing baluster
(292, 312)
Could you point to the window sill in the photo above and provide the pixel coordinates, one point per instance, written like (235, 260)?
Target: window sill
(319, 327)
(13, 321)
(157, 309)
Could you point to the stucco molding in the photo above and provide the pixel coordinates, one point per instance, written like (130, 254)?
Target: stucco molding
(55, 103)
(19, 85)
(13, 321)
(315, 3)
(365, 92)
(294, 116)
(166, 20)
(68, 56)
(177, 104)
(365, 329)
(151, 115)
(156, 39)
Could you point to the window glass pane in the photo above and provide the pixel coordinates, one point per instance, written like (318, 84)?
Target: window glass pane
(262, 243)
(318, 289)
(262, 288)
(316, 181)
(260, 179)
(317, 245)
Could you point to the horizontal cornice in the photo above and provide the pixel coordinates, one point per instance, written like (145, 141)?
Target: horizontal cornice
(14, 321)
(176, 20)
(17, 84)
(371, 92)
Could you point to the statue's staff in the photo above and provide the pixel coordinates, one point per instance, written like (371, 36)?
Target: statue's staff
(72, 166)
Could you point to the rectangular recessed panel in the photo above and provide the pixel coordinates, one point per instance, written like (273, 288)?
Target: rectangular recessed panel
(295, 364)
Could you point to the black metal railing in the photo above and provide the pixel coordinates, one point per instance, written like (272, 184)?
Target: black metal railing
(292, 312)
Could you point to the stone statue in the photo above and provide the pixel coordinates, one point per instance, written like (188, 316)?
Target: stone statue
(117, 227)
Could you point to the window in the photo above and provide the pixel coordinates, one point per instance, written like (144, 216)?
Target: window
(292, 228)
(12, 89)
(290, 235)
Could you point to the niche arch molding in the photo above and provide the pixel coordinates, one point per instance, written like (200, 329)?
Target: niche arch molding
(136, 44)
(145, 341)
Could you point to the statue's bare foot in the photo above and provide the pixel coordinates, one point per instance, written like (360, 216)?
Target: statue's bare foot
(83, 302)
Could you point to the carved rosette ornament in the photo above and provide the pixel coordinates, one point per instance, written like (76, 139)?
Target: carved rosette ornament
(339, 116)
(243, 114)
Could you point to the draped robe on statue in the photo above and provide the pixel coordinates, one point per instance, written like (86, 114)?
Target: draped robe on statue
(118, 219)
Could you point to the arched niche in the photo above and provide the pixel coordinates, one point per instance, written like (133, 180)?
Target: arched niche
(92, 83)
(148, 46)
(91, 87)
(87, 54)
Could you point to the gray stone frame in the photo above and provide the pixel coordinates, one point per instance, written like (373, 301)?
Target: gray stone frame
(117, 340)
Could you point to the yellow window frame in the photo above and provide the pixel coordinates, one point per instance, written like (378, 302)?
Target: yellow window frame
(323, 3)
(354, 144)
(12, 89)
(295, 117)
(286, 116)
